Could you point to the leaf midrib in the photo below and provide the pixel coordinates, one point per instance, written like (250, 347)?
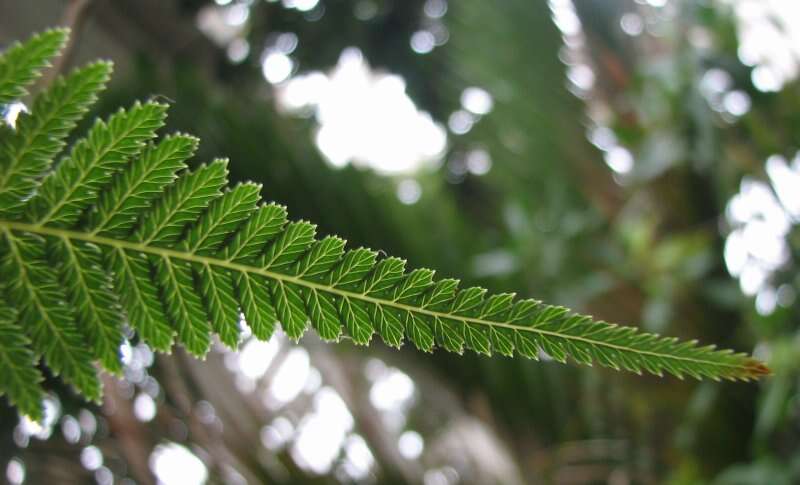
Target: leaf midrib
(171, 253)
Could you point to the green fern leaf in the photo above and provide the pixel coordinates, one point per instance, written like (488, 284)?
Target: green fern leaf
(221, 304)
(181, 204)
(388, 325)
(287, 248)
(39, 136)
(419, 330)
(132, 190)
(22, 63)
(262, 227)
(182, 303)
(256, 304)
(324, 314)
(89, 291)
(290, 308)
(356, 320)
(450, 336)
(322, 256)
(139, 297)
(19, 378)
(34, 290)
(222, 218)
(384, 276)
(355, 265)
(74, 184)
(120, 233)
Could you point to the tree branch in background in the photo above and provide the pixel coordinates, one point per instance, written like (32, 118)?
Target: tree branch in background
(73, 17)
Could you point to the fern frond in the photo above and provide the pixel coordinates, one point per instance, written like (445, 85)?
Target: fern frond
(181, 204)
(89, 292)
(252, 293)
(260, 229)
(222, 218)
(132, 190)
(19, 377)
(182, 303)
(33, 289)
(121, 232)
(40, 134)
(74, 184)
(216, 285)
(22, 63)
(139, 297)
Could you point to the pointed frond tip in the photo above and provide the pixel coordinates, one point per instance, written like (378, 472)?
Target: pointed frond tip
(121, 232)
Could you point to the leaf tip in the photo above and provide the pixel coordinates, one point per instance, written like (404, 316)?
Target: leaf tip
(755, 369)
